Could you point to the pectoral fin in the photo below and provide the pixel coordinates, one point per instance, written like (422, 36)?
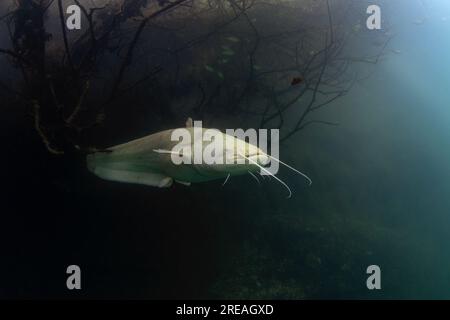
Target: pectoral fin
(145, 178)
(183, 183)
(189, 123)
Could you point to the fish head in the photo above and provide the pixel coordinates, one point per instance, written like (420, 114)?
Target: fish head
(225, 154)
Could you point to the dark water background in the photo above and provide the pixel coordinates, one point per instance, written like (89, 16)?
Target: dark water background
(380, 196)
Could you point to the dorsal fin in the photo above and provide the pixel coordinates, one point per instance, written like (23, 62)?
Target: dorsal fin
(189, 123)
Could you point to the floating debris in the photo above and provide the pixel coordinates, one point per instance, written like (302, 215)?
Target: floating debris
(233, 39)
(296, 80)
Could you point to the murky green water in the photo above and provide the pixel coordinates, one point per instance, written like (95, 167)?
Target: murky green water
(381, 184)
(380, 196)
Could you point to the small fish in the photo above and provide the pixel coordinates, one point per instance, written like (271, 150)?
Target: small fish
(396, 51)
(296, 80)
(220, 75)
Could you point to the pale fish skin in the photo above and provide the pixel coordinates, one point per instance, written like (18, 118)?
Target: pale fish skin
(142, 161)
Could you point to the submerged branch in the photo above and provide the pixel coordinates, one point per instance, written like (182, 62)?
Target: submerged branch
(129, 55)
(40, 131)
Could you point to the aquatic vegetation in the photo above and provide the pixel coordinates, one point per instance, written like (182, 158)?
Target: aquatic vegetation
(220, 75)
(228, 52)
(209, 68)
(233, 39)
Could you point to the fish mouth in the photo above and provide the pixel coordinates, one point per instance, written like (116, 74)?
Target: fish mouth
(261, 159)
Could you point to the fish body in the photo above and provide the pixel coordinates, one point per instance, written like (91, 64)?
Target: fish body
(161, 158)
(149, 161)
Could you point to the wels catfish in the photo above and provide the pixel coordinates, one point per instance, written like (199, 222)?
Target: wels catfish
(151, 160)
